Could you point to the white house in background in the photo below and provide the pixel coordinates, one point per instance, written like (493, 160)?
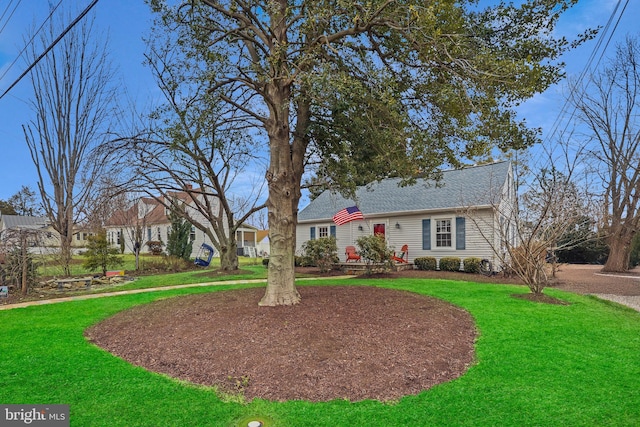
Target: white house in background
(468, 213)
(153, 219)
(264, 246)
(42, 238)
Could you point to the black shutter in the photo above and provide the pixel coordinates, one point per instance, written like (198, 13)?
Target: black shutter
(426, 234)
(460, 233)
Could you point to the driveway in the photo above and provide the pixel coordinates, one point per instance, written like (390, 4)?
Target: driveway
(623, 288)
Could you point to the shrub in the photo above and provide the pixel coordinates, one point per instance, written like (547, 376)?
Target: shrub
(100, 254)
(155, 247)
(167, 264)
(450, 264)
(425, 263)
(374, 252)
(322, 253)
(471, 265)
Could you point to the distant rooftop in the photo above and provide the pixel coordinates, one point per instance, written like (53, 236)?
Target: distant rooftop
(19, 221)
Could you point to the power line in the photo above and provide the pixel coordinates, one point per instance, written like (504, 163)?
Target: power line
(588, 65)
(51, 46)
(30, 41)
(9, 17)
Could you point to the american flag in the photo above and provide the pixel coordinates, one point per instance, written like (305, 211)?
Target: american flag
(347, 214)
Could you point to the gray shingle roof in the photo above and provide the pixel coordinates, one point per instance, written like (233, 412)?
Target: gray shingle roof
(19, 221)
(471, 186)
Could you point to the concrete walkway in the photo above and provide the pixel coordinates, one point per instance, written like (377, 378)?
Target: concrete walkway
(140, 291)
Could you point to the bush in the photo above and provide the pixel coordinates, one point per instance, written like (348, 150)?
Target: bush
(155, 247)
(321, 253)
(425, 263)
(471, 265)
(167, 264)
(100, 255)
(450, 264)
(374, 252)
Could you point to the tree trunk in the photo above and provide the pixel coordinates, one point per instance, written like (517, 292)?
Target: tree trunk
(229, 256)
(281, 288)
(25, 262)
(284, 190)
(65, 254)
(619, 249)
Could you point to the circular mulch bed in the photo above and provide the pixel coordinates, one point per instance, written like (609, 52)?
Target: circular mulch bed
(350, 342)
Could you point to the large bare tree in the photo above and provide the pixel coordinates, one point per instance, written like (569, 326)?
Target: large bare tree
(370, 89)
(72, 97)
(608, 104)
(193, 154)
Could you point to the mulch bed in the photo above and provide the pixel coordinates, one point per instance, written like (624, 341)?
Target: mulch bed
(341, 342)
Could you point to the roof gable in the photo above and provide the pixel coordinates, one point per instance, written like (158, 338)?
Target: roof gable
(471, 186)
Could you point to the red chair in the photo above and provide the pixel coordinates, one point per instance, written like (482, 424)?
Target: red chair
(404, 256)
(351, 253)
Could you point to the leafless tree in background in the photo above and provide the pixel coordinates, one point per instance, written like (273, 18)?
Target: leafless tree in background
(193, 152)
(609, 105)
(526, 238)
(25, 202)
(71, 101)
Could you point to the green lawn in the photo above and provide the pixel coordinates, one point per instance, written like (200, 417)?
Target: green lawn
(48, 266)
(537, 365)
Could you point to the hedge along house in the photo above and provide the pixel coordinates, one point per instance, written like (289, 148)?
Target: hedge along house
(469, 212)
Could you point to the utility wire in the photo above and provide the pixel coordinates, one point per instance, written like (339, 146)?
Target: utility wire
(30, 41)
(51, 46)
(9, 17)
(588, 66)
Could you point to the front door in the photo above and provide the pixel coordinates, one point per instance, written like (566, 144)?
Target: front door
(379, 229)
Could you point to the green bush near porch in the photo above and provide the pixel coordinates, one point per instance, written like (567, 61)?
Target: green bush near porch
(426, 263)
(450, 264)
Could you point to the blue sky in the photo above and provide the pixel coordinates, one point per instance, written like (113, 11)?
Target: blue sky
(128, 21)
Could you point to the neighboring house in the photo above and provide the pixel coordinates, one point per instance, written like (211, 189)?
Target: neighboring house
(81, 238)
(41, 238)
(40, 232)
(468, 213)
(152, 219)
(264, 245)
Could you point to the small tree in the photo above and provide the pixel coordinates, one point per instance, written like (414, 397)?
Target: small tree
(322, 252)
(178, 242)
(100, 255)
(19, 267)
(375, 253)
(25, 202)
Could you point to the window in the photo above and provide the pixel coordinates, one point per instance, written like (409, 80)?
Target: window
(159, 234)
(148, 234)
(192, 234)
(443, 233)
(323, 232)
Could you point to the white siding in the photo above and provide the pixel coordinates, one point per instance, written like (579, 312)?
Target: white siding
(478, 231)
